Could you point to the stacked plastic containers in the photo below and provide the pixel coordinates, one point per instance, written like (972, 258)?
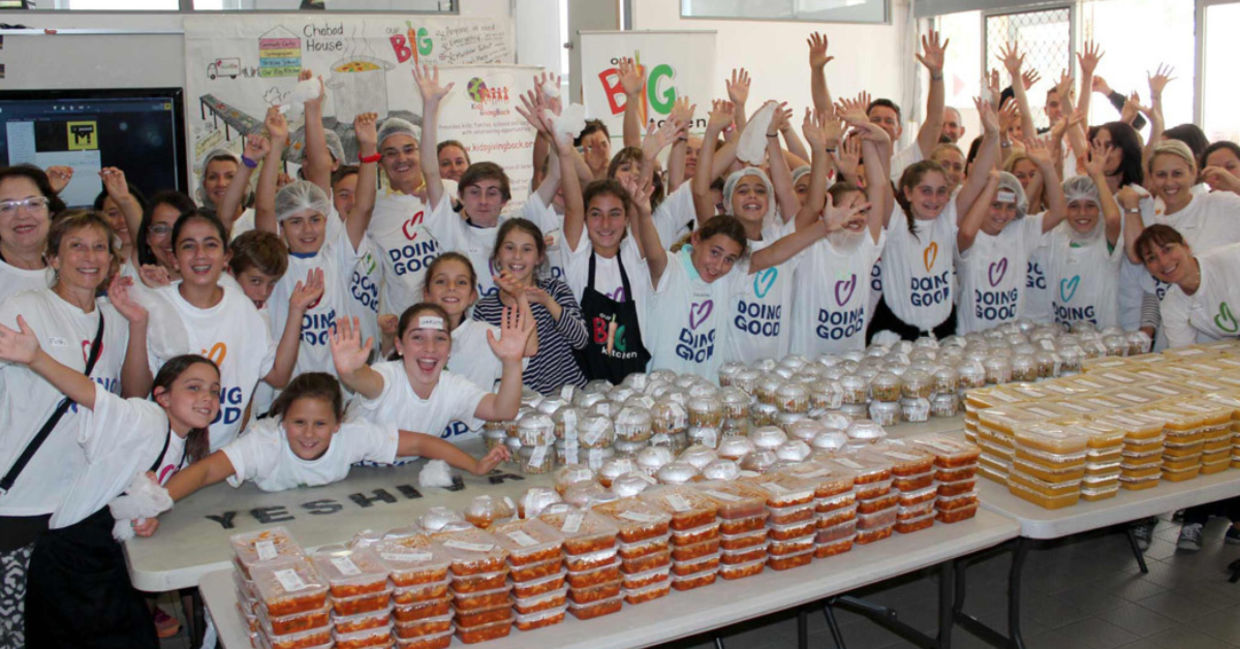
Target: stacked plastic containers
(479, 584)
(1232, 401)
(996, 436)
(912, 472)
(644, 544)
(792, 525)
(1216, 433)
(955, 475)
(835, 506)
(1183, 442)
(591, 556)
(535, 563)
(877, 505)
(361, 597)
(418, 570)
(1141, 454)
(695, 531)
(743, 529)
(1104, 454)
(1048, 466)
(280, 594)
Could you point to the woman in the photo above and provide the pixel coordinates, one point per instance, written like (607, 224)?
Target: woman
(83, 332)
(27, 203)
(1220, 166)
(219, 169)
(453, 159)
(1201, 286)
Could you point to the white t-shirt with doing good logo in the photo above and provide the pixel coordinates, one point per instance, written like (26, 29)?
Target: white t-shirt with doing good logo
(405, 246)
(1213, 311)
(1083, 277)
(917, 268)
(759, 306)
(991, 282)
(687, 319)
(831, 299)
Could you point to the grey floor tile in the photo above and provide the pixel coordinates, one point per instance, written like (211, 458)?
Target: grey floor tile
(1185, 637)
(1098, 633)
(1050, 611)
(1138, 619)
(1223, 624)
(1177, 606)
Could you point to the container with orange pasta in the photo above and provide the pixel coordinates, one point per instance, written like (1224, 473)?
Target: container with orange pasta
(252, 548)
(472, 551)
(595, 593)
(414, 559)
(737, 570)
(288, 586)
(688, 507)
(422, 610)
(636, 520)
(485, 632)
(424, 627)
(792, 560)
(539, 619)
(584, 531)
(598, 608)
(481, 616)
(528, 541)
(545, 601)
(437, 641)
(540, 586)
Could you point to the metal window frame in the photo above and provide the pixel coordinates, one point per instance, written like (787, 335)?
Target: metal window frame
(793, 19)
(187, 7)
(1073, 25)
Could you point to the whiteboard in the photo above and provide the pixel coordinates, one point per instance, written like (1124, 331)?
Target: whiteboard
(43, 61)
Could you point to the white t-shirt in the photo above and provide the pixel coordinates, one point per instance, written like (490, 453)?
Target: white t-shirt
(235, 336)
(472, 357)
(454, 233)
(909, 155)
(607, 274)
(405, 246)
(1035, 304)
(831, 297)
(1209, 221)
(759, 305)
(1207, 314)
(552, 225)
(337, 259)
(455, 398)
(263, 456)
(991, 284)
(918, 282)
(676, 215)
(14, 280)
(243, 224)
(687, 319)
(65, 332)
(121, 438)
(1084, 278)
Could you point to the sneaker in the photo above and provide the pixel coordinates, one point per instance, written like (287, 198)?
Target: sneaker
(1190, 538)
(166, 626)
(1233, 535)
(1143, 531)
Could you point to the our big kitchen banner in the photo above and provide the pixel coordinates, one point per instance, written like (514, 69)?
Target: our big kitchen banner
(238, 66)
(676, 64)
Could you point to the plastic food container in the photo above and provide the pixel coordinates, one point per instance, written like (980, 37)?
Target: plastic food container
(528, 541)
(535, 500)
(735, 448)
(532, 586)
(485, 510)
(584, 531)
(485, 632)
(915, 410)
(420, 610)
(366, 603)
(586, 611)
(884, 413)
(595, 431)
(288, 586)
(633, 424)
(545, 601)
(296, 623)
(437, 518)
(314, 639)
(472, 551)
(792, 397)
(417, 628)
(721, 469)
(595, 593)
(536, 429)
(675, 473)
(350, 572)
(252, 548)
(863, 430)
(363, 621)
(636, 520)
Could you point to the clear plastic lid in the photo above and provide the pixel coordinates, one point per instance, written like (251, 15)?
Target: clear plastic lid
(669, 416)
(971, 374)
(526, 538)
(885, 387)
(616, 467)
(472, 550)
(412, 559)
(288, 585)
(633, 424)
(1051, 438)
(535, 499)
(767, 437)
(485, 510)
(652, 458)
(573, 474)
(677, 473)
(438, 516)
(684, 503)
(252, 548)
(583, 530)
(793, 450)
(349, 568)
(830, 441)
(634, 516)
(866, 430)
(721, 469)
(884, 413)
(735, 447)
(759, 461)
(792, 397)
(698, 455)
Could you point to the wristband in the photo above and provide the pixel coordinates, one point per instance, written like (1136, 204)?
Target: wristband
(248, 162)
(772, 134)
(936, 76)
(374, 157)
(830, 149)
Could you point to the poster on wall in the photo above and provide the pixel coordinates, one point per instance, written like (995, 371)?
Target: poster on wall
(238, 66)
(676, 63)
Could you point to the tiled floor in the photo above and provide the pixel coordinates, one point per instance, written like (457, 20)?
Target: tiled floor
(1082, 593)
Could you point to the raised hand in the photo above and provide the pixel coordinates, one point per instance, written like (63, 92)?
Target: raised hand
(818, 50)
(986, 112)
(1099, 85)
(256, 147)
(1132, 105)
(738, 86)
(1159, 80)
(348, 353)
(306, 294)
(1220, 179)
(154, 275)
(932, 51)
(318, 99)
(537, 296)
(848, 158)
(427, 79)
(548, 85)
(682, 111)
(507, 284)
(531, 109)
(812, 130)
(19, 346)
(514, 332)
(1038, 149)
(1064, 87)
(1029, 77)
(657, 139)
(1088, 59)
(118, 295)
(632, 77)
(1009, 117)
(779, 119)
(114, 182)
(853, 110)
(1012, 60)
(836, 217)
(721, 114)
(1095, 163)
(365, 125)
(991, 87)
(277, 126)
(59, 176)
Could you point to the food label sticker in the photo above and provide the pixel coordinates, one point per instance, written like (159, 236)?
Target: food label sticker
(346, 566)
(572, 523)
(469, 547)
(595, 458)
(570, 450)
(723, 496)
(677, 502)
(647, 477)
(638, 517)
(266, 549)
(537, 456)
(848, 463)
(521, 538)
(406, 557)
(289, 580)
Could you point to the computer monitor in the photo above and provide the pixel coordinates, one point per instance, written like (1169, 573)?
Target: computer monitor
(139, 130)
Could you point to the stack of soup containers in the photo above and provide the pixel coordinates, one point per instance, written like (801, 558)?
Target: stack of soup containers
(590, 554)
(418, 569)
(536, 567)
(480, 588)
(1048, 466)
(695, 534)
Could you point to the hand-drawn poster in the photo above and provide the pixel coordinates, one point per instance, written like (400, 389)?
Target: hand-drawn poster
(238, 66)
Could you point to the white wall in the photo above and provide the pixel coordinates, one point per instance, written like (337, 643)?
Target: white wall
(867, 57)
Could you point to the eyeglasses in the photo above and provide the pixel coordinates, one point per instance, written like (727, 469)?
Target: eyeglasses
(160, 229)
(33, 204)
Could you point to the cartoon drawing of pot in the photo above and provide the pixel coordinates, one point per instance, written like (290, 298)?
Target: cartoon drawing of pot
(359, 85)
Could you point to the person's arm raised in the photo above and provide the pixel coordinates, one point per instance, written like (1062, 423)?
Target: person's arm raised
(516, 328)
(789, 245)
(972, 220)
(136, 370)
(633, 80)
(703, 203)
(878, 185)
(427, 80)
(682, 112)
(816, 127)
(304, 294)
(117, 187)
(349, 356)
(781, 175)
(652, 248)
(1095, 165)
(932, 56)
(1055, 204)
(1088, 61)
(265, 192)
(818, 61)
(987, 158)
(318, 160)
(738, 94)
(1013, 60)
(22, 347)
(358, 219)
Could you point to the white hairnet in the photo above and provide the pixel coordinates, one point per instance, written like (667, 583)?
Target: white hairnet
(397, 126)
(299, 196)
(1079, 188)
(802, 170)
(335, 146)
(729, 186)
(1008, 182)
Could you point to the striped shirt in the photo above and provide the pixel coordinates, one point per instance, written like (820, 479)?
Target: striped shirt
(554, 365)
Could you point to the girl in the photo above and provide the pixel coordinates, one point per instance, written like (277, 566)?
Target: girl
(414, 387)
(81, 331)
(997, 235)
(27, 203)
(520, 252)
(113, 208)
(1201, 287)
(451, 285)
(1220, 166)
(153, 251)
(78, 582)
(307, 443)
(318, 244)
(917, 266)
(1085, 250)
(453, 159)
(220, 322)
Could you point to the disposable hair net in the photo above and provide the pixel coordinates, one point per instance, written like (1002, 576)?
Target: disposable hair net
(335, 146)
(218, 153)
(397, 126)
(729, 186)
(1081, 188)
(300, 196)
(1010, 183)
(802, 170)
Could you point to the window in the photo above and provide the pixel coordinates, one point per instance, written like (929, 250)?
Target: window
(1221, 95)
(841, 11)
(1045, 38)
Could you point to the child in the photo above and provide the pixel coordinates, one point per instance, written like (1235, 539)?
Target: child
(306, 443)
(452, 285)
(77, 581)
(1085, 251)
(259, 259)
(519, 254)
(414, 387)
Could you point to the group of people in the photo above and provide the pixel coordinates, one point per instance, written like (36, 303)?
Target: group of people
(279, 330)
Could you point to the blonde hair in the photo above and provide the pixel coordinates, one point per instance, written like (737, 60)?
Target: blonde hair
(1175, 148)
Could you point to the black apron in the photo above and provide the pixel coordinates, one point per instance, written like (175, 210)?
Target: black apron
(614, 346)
(78, 593)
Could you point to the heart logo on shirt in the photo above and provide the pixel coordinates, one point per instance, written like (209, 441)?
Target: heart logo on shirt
(217, 353)
(844, 290)
(86, 350)
(617, 295)
(410, 227)
(763, 281)
(930, 254)
(1225, 320)
(1067, 287)
(699, 312)
(996, 272)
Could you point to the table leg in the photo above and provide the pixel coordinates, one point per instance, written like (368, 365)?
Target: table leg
(947, 589)
(836, 635)
(1013, 639)
(1136, 551)
(718, 642)
(802, 628)
(191, 603)
(1014, 573)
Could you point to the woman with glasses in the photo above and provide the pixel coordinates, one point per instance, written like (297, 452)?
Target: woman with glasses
(27, 202)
